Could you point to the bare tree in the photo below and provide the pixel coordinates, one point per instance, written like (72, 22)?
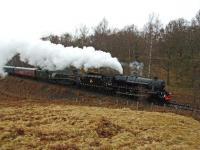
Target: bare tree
(52, 38)
(66, 39)
(151, 30)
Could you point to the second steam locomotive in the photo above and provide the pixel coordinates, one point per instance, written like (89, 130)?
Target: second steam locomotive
(152, 89)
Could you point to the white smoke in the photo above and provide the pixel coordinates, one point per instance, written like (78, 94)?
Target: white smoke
(136, 68)
(55, 56)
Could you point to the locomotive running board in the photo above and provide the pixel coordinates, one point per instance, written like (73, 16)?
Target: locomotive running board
(128, 94)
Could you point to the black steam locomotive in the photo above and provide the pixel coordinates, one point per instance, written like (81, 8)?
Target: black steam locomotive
(152, 89)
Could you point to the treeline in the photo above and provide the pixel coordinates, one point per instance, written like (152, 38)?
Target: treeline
(171, 52)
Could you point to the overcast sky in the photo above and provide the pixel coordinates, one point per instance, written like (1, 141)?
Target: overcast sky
(34, 18)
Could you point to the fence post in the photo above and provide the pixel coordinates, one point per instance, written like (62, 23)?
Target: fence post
(176, 110)
(137, 104)
(127, 102)
(194, 112)
(164, 107)
(132, 104)
(151, 106)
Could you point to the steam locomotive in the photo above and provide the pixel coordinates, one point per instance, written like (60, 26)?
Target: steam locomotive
(153, 90)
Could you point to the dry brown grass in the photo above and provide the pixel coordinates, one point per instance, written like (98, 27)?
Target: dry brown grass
(32, 117)
(27, 124)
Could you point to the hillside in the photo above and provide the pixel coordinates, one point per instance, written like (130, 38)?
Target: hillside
(35, 119)
(28, 124)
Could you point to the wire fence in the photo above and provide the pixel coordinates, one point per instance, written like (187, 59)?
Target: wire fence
(121, 103)
(106, 101)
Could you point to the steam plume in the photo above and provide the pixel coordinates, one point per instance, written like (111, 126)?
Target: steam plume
(55, 56)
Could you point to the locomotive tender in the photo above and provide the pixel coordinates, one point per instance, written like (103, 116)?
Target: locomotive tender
(152, 89)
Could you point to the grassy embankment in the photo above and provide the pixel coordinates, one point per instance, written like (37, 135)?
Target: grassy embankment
(28, 124)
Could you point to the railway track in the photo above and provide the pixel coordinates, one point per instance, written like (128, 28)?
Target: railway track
(182, 107)
(173, 105)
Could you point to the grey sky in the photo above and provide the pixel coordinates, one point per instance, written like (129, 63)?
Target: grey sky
(34, 18)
